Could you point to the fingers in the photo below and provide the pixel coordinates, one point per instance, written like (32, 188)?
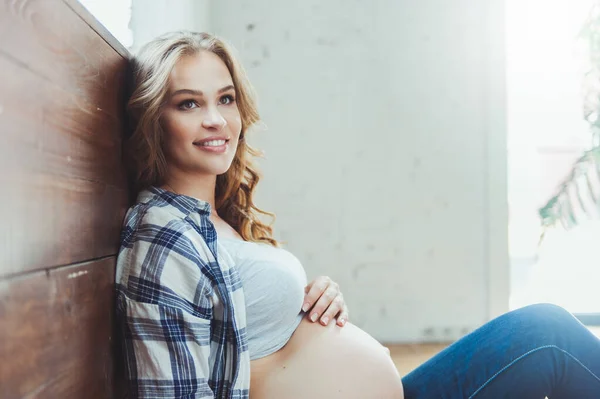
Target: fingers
(325, 301)
(336, 306)
(343, 317)
(331, 297)
(315, 290)
(307, 288)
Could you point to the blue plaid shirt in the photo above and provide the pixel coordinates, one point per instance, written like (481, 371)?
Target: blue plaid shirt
(179, 303)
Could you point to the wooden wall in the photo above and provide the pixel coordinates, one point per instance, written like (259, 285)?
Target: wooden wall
(63, 196)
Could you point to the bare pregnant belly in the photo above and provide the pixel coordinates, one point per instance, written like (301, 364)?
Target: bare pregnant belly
(326, 362)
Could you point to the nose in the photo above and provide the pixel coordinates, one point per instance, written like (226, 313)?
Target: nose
(213, 120)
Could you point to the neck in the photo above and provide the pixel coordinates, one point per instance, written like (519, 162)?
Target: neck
(199, 186)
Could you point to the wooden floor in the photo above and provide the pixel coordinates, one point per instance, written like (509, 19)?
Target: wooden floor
(408, 357)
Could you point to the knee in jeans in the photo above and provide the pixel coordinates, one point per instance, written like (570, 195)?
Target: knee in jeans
(545, 313)
(546, 308)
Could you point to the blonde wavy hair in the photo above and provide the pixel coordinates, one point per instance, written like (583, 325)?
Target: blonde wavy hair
(151, 69)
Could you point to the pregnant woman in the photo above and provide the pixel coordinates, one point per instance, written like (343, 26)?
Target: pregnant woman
(211, 306)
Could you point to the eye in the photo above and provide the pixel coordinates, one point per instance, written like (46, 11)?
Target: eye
(227, 99)
(187, 104)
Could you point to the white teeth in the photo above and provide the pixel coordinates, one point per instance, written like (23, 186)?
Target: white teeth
(213, 143)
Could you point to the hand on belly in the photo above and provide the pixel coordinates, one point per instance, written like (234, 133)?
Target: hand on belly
(327, 362)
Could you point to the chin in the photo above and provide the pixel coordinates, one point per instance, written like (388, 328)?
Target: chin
(216, 170)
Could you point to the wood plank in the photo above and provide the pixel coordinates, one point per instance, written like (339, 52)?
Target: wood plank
(50, 39)
(64, 188)
(62, 119)
(53, 221)
(56, 335)
(45, 128)
(47, 39)
(93, 23)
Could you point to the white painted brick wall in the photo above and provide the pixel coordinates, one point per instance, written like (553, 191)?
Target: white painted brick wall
(151, 18)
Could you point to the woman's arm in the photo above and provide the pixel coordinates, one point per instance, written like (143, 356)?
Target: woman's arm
(166, 352)
(165, 310)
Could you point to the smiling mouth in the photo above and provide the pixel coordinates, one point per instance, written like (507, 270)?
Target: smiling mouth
(212, 143)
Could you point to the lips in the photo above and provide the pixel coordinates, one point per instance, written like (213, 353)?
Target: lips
(213, 144)
(214, 141)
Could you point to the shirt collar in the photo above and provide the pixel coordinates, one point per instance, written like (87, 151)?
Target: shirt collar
(184, 204)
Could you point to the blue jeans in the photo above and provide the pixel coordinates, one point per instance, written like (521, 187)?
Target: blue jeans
(533, 352)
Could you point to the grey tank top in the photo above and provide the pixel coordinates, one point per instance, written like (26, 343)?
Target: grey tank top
(273, 281)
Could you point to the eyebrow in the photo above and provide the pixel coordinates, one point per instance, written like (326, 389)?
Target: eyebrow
(199, 93)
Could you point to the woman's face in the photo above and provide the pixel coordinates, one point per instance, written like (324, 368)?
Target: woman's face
(200, 117)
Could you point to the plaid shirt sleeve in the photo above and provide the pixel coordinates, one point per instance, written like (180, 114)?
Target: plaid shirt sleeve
(165, 308)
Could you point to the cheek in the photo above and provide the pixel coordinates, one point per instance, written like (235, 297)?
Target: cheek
(176, 130)
(235, 122)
